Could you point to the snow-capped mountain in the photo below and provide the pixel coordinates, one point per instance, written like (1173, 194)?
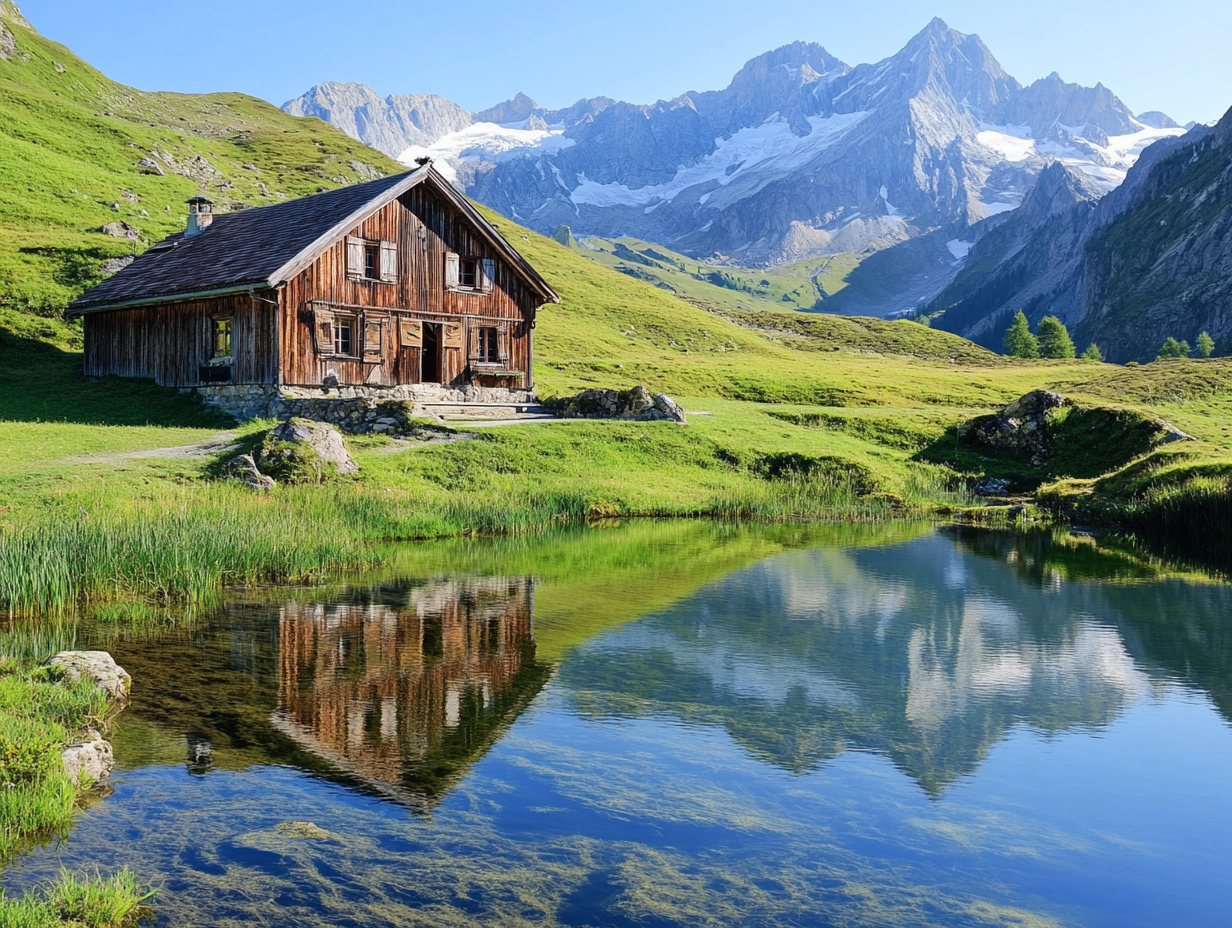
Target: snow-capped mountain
(800, 155)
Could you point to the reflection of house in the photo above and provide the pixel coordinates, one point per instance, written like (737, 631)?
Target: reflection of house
(404, 698)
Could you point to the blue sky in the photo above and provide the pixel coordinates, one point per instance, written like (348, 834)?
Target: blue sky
(1173, 57)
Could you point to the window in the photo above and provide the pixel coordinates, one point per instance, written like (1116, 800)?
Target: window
(370, 260)
(222, 339)
(489, 345)
(468, 273)
(344, 334)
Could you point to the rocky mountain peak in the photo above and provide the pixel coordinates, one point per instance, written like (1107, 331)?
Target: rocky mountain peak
(514, 110)
(12, 12)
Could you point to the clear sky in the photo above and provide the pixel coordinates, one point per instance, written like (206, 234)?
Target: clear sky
(1174, 56)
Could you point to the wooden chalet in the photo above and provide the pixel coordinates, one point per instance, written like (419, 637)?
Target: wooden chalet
(391, 283)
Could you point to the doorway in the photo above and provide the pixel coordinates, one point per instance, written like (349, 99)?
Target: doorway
(430, 354)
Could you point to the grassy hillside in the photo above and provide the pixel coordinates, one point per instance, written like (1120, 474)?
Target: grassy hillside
(804, 285)
(71, 142)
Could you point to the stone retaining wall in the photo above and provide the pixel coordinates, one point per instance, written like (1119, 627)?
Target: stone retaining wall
(350, 408)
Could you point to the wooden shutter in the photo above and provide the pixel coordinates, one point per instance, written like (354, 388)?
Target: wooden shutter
(323, 332)
(452, 334)
(355, 256)
(488, 266)
(473, 340)
(372, 338)
(411, 332)
(502, 342)
(389, 262)
(452, 271)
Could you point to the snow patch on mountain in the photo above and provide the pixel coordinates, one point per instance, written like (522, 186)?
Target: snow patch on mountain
(1106, 164)
(487, 142)
(959, 249)
(766, 152)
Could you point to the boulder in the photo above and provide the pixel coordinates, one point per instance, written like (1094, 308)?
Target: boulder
(992, 486)
(150, 166)
(113, 266)
(304, 451)
(98, 666)
(120, 229)
(8, 44)
(90, 761)
(1019, 430)
(636, 404)
(244, 469)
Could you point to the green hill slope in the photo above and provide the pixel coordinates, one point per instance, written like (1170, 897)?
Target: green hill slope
(72, 144)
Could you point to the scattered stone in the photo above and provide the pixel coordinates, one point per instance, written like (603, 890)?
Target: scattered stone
(244, 469)
(366, 171)
(992, 486)
(301, 450)
(98, 666)
(636, 404)
(90, 761)
(129, 196)
(250, 167)
(306, 830)
(120, 229)
(60, 69)
(113, 266)
(150, 166)
(1171, 433)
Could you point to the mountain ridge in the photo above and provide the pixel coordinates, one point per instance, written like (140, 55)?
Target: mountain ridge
(800, 155)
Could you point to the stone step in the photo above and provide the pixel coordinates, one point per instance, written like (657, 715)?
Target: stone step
(470, 411)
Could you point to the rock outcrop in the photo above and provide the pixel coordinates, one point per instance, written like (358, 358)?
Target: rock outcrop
(1020, 430)
(303, 451)
(90, 761)
(98, 666)
(637, 404)
(244, 469)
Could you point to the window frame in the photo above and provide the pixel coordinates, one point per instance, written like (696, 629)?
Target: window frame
(349, 323)
(221, 326)
(370, 260)
(465, 264)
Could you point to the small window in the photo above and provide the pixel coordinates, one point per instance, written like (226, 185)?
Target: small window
(222, 339)
(344, 335)
(468, 273)
(372, 261)
(489, 346)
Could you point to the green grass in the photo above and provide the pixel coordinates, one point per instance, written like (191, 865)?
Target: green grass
(801, 286)
(69, 145)
(78, 902)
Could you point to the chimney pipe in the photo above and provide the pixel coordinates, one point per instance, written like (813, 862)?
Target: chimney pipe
(200, 215)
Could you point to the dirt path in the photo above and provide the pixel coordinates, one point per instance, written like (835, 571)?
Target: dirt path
(207, 447)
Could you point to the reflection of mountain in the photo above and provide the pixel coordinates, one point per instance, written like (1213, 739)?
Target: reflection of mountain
(397, 692)
(404, 699)
(925, 653)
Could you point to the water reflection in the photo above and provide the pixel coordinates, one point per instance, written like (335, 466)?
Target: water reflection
(922, 653)
(688, 724)
(403, 698)
(396, 693)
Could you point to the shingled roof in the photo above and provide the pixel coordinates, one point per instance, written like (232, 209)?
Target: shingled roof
(270, 245)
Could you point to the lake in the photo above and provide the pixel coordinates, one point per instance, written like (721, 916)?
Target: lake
(683, 723)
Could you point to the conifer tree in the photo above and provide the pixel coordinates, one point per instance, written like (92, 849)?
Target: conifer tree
(1173, 349)
(1054, 340)
(1093, 353)
(1019, 342)
(1205, 345)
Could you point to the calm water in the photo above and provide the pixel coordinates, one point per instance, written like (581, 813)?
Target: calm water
(687, 725)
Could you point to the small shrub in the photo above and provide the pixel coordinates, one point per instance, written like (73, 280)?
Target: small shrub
(1093, 353)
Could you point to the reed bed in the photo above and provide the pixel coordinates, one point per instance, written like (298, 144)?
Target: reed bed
(89, 902)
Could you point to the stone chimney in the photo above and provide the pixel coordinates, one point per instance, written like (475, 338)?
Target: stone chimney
(200, 214)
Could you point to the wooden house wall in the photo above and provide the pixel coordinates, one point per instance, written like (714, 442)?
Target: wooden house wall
(424, 227)
(170, 343)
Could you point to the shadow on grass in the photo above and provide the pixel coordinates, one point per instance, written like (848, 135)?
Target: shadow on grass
(42, 383)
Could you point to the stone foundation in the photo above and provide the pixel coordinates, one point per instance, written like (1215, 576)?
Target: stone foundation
(351, 408)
